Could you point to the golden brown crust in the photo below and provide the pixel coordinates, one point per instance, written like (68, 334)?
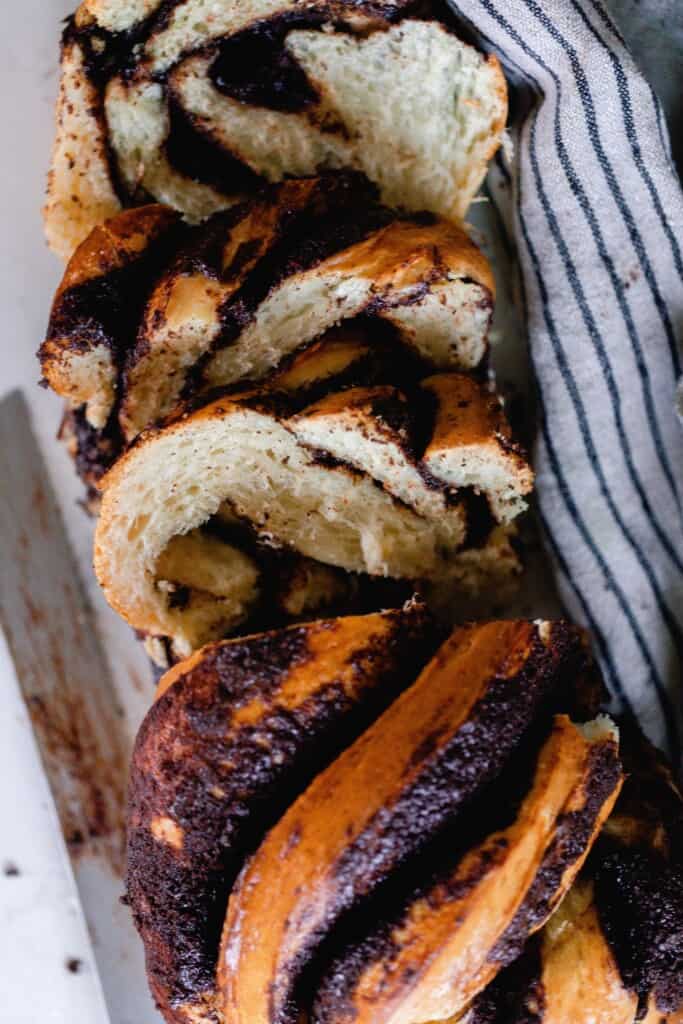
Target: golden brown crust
(362, 817)
(499, 124)
(406, 252)
(462, 415)
(235, 733)
(116, 242)
(613, 951)
(80, 192)
(477, 428)
(450, 940)
(93, 315)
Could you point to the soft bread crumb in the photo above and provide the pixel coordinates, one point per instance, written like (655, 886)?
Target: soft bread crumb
(410, 105)
(175, 480)
(600, 729)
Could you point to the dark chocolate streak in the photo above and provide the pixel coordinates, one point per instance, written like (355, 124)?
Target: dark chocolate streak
(410, 416)
(108, 54)
(224, 790)
(255, 67)
(650, 794)
(194, 152)
(445, 789)
(387, 361)
(480, 519)
(107, 309)
(252, 66)
(639, 886)
(95, 450)
(572, 836)
(640, 903)
(480, 522)
(494, 810)
(189, 149)
(351, 951)
(342, 211)
(449, 781)
(516, 995)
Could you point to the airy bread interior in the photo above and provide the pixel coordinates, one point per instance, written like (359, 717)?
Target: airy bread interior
(424, 110)
(178, 479)
(119, 15)
(219, 587)
(405, 102)
(371, 513)
(429, 281)
(213, 583)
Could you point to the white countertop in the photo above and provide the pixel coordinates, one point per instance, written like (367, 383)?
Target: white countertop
(46, 957)
(44, 949)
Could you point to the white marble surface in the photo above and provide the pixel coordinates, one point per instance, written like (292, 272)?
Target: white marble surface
(48, 967)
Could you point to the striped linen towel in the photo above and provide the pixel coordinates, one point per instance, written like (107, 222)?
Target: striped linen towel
(596, 215)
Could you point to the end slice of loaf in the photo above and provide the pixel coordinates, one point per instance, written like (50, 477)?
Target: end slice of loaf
(278, 707)
(398, 98)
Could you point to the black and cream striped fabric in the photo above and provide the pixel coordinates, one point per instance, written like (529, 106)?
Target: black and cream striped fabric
(596, 213)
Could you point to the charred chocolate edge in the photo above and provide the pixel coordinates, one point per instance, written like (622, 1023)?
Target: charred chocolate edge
(176, 895)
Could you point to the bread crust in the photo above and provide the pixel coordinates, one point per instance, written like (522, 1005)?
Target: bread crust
(611, 952)
(367, 815)
(357, 901)
(448, 941)
(93, 311)
(80, 193)
(245, 725)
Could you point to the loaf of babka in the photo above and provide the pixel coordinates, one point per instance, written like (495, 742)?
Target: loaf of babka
(195, 104)
(271, 338)
(345, 821)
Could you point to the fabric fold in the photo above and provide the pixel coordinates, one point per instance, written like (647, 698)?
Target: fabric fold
(596, 213)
